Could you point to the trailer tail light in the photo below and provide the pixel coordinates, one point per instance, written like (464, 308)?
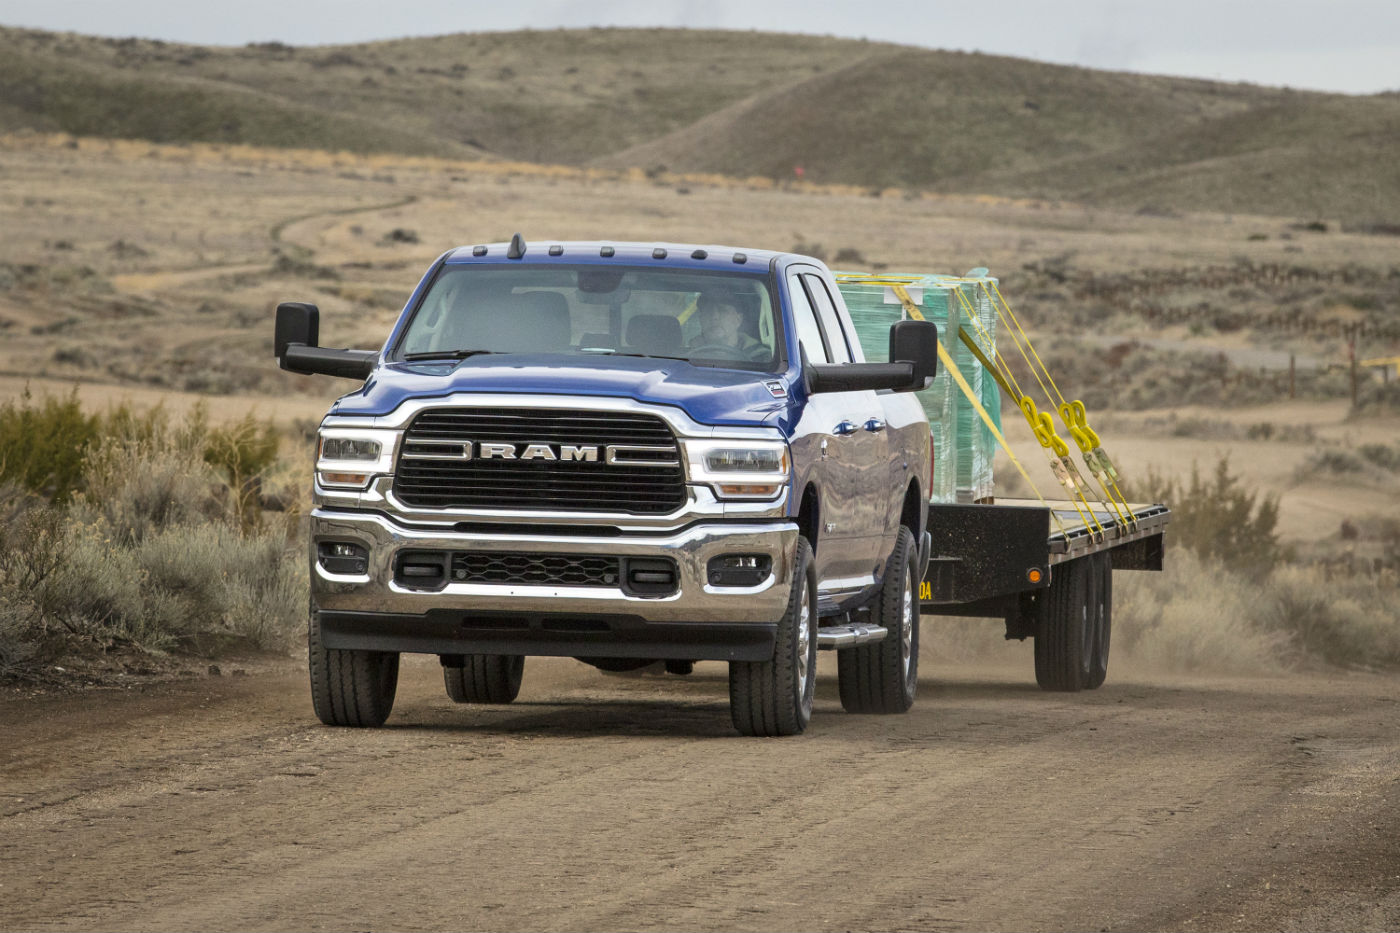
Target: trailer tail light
(1033, 575)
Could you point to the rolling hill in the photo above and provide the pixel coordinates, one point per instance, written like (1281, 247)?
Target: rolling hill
(736, 103)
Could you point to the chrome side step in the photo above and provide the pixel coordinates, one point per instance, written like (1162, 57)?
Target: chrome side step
(849, 635)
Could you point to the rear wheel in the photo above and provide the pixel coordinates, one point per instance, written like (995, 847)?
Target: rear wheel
(1064, 635)
(775, 697)
(1101, 608)
(485, 678)
(883, 677)
(350, 688)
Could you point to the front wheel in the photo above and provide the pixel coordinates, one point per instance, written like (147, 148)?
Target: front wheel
(883, 677)
(775, 697)
(350, 688)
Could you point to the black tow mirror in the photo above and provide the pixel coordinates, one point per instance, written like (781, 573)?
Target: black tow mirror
(297, 322)
(296, 345)
(916, 342)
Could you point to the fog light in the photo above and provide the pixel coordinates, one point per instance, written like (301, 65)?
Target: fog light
(739, 569)
(343, 557)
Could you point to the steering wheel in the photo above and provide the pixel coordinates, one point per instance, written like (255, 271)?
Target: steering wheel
(719, 351)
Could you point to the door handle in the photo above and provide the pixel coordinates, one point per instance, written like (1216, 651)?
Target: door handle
(874, 424)
(844, 428)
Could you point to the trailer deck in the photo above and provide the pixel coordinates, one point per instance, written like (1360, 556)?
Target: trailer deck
(985, 555)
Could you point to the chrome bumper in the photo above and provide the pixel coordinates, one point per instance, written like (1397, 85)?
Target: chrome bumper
(695, 600)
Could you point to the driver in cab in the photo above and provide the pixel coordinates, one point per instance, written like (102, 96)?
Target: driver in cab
(721, 326)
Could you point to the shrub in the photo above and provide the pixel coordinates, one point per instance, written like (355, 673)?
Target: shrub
(154, 549)
(1381, 456)
(243, 452)
(1194, 616)
(44, 444)
(1349, 621)
(1219, 520)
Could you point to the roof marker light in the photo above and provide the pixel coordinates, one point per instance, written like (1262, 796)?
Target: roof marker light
(741, 258)
(478, 251)
(556, 250)
(699, 254)
(517, 247)
(659, 253)
(606, 252)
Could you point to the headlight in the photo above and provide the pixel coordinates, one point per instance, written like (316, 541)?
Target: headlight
(351, 457)
(739, 469)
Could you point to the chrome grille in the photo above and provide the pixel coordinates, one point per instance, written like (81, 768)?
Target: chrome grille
(433, 474)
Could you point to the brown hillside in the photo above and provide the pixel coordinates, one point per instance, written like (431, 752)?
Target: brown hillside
(739, 104)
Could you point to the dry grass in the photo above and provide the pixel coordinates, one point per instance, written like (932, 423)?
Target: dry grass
(161, 551)
(1195, 617)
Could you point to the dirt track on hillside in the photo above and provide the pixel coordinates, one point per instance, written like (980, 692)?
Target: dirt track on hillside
(605, 802)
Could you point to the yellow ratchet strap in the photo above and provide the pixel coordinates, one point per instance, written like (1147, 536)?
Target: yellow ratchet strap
(1041, 424)
(1072, 413)
(952, 368)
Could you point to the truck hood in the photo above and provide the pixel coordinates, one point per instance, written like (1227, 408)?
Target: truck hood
(707, 395)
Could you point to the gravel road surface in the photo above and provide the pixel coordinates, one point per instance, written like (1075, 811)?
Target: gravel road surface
(626, 802)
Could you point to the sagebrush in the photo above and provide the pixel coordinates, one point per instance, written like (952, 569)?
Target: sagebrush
(152, 545)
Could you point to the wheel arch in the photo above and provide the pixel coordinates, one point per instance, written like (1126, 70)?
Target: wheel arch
(809, 516)
(914, 511)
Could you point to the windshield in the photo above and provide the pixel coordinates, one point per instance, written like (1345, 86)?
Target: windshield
(708, 318)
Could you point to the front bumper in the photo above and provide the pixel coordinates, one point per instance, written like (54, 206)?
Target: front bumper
(698, 620)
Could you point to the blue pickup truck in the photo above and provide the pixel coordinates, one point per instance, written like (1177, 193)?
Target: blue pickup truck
(629, 453)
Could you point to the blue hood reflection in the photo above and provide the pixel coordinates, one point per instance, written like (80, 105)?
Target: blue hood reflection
(708, 395)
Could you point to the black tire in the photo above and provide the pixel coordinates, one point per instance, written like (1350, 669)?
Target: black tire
(1064, 635)
(350, 688)
(1102, 609)
(884, 676)
(775, 697)
(485, 678)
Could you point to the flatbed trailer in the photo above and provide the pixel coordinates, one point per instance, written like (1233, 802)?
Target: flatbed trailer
(1046, 570)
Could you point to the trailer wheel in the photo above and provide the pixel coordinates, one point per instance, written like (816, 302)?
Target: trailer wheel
(883, 677)
(1102, 610)
(775, 697)
(350, 688)
(485, 678)
(1064, 634)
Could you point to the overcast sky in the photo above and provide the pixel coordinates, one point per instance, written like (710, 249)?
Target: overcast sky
(1341, 45)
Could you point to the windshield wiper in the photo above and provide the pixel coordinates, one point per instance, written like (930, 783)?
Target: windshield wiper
(443, 355)
(655, 356)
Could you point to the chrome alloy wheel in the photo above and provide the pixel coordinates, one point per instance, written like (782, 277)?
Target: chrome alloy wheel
(804, 642)
(906, 642)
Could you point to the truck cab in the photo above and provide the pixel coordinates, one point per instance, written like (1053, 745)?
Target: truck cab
(623, 453)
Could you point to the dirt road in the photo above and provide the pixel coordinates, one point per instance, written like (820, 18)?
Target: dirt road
(605, 802)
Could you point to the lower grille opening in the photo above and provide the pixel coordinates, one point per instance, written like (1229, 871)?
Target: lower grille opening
(535, 569)
(496, 623)
(636, 576)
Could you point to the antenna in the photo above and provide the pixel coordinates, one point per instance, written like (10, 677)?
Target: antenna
(517, 247)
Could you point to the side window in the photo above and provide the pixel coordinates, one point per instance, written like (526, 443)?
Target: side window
(808, 333)
(826, 312)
